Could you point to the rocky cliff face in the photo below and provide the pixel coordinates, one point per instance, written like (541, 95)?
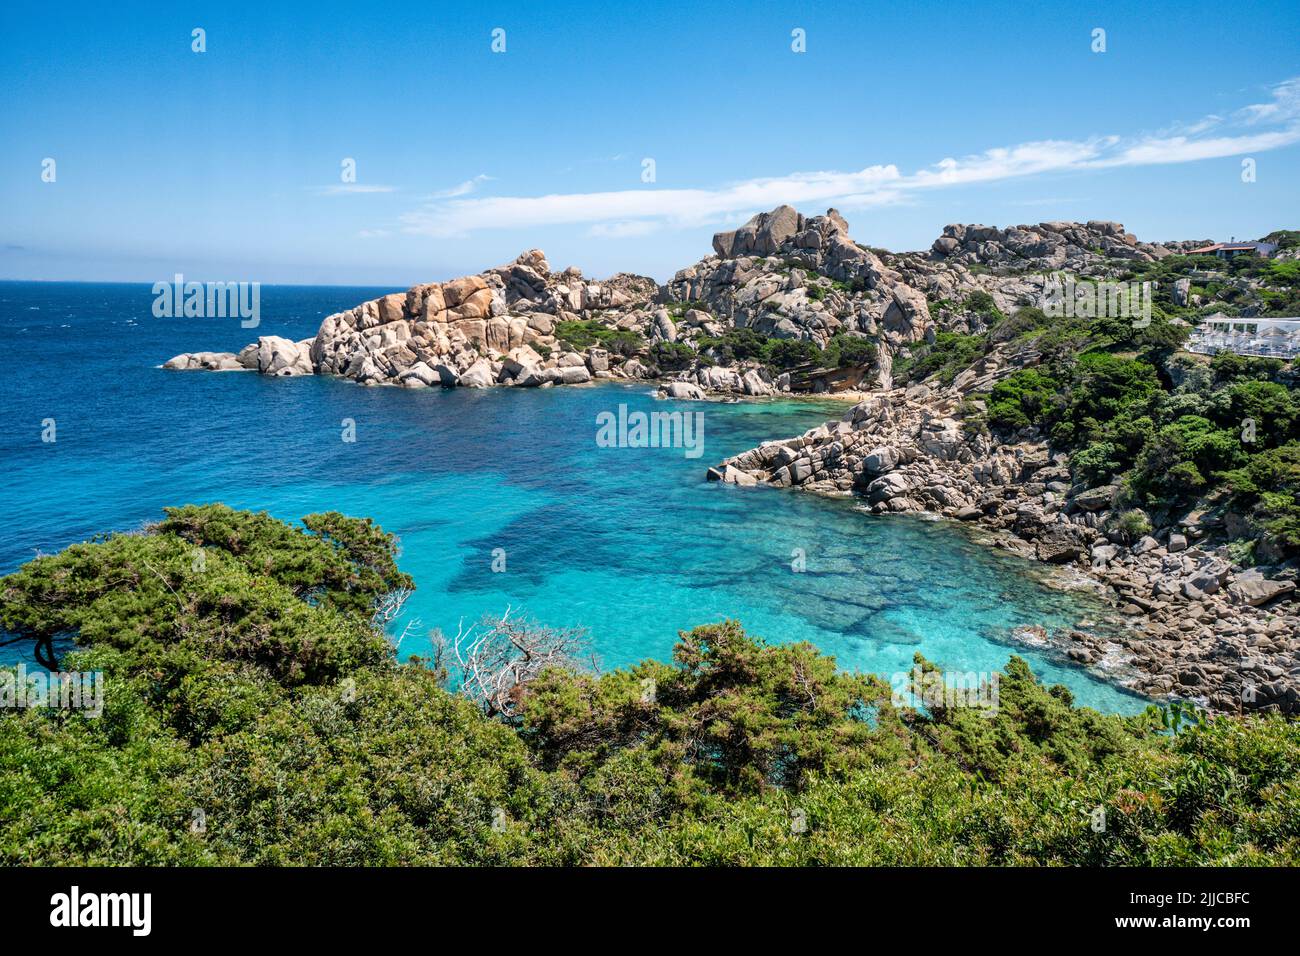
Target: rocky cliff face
(1201, 628)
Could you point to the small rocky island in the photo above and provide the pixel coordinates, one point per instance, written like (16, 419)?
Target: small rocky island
(1090, 441)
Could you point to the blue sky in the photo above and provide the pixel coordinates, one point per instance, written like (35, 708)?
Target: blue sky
(227, 164)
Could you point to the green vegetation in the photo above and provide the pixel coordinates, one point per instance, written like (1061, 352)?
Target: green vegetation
(949, 354)
(782, 354)
(1285, 238)
(678, 310)
(1023, 322)
(746, 345)
(672, 356)
(1132, 524)
(1022, 399)
(1277, 292)
(1269, 484)
(250, 689)
(736, 345)
(982, 304)
(578, 335)
(1172, 430)
(1234, 423)
(849, 351)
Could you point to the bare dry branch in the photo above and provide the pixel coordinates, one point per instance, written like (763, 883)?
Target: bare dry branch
(499, 657)
(412, 625)
(390, 606)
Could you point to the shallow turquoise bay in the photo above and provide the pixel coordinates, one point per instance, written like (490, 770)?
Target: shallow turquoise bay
(631, 543)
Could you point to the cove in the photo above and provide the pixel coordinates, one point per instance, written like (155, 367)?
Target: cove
(629, 542)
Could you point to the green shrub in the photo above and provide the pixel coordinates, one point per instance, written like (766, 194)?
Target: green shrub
(672, 356)
(849, 351)
(1097, 462)
(1133, 524)
(367, 762)
(1268, 485)
(579, 335)
(1028, 397)
(785, 354)
(982, 304)
(946, 357)
(220, 584)
(1022, 321)
(736, 345)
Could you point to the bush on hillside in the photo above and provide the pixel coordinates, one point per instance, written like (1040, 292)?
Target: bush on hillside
(275, 710)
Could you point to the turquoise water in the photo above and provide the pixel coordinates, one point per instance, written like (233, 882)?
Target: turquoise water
(631, 543)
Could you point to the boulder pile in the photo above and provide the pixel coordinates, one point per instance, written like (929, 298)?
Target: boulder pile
(495, 328)
(1199, 627)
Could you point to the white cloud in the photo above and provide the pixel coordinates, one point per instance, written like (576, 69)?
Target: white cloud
(1027, 159)
(1186, 149)
(676, 207)
(632, 212)
(463, 189)
(350, 189)
(1284, 105)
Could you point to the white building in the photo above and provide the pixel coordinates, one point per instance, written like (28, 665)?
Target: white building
(1265, 338)
(1228, 250)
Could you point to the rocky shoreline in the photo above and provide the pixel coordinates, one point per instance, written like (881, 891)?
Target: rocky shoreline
(495, 328)
(1200, 627)
(841, 317)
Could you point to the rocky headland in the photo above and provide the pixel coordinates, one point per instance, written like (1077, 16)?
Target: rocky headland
(792, 304)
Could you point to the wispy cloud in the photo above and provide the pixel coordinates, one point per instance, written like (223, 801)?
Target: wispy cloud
(352, 189)
(630, 212)
(462, 189)
(1284, 105)
(1187, 149)
(671, 206)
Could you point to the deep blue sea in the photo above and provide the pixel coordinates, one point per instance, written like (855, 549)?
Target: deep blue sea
(631, 543)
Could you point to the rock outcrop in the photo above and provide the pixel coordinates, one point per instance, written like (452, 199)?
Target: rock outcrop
(495, 328)
(1200, 628)
(1042, 247)
(790, 277)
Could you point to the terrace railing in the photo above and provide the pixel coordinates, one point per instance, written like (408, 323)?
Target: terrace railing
(1260, 347)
